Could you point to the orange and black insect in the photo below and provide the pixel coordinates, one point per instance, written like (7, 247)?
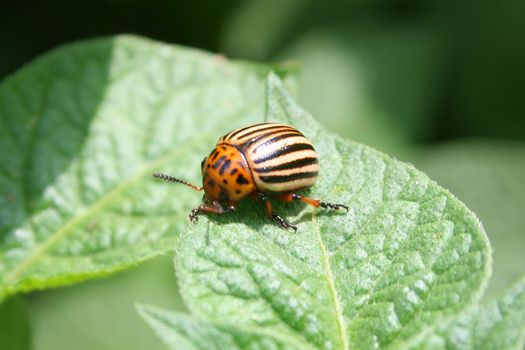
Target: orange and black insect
(269, 160)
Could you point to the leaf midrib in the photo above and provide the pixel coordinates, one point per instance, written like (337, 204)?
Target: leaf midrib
(331, 285)
(98, 205)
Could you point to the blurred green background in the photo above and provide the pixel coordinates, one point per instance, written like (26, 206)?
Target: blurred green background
(436, 83)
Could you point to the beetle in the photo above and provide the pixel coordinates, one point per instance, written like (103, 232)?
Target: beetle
(267, 160)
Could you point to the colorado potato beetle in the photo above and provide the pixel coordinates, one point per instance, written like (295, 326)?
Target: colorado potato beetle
(268, 160)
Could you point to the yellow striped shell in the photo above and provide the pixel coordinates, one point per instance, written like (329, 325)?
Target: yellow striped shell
(280, 157)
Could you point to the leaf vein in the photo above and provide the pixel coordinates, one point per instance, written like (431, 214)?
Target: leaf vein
(331, 285)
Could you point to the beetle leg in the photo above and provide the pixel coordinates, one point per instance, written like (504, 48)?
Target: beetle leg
(277, 218)
(290, 197)
(257, 196)
(215, 208)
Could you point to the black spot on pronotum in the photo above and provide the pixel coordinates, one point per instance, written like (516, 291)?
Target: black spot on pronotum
(225, 166)
(211, 183)
(215, 154)
(238, 191)
(223, 148)
(241, 180)
(219, 162)
(234, 171)
(224, 181)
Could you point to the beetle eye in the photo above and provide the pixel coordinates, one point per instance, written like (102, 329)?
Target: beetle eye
(203, 162)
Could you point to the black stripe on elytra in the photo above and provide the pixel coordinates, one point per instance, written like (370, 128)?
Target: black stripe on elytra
(233, 133)
(296, 147)
(247, 144)
(279, 138)
(279, 126)
(225, 166)
(219, 162)
(298, 163)
(286, 178)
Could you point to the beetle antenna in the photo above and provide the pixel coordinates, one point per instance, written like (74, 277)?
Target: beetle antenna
(174, 179)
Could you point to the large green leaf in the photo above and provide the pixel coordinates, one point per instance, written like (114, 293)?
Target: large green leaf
(407, 255)
(81, 131)
(498, 324)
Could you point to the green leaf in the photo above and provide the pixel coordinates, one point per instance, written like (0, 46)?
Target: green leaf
(499, 324)
(14, 325)
(81, 131)
(489, 177)
(180, 331)
(406, 256)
